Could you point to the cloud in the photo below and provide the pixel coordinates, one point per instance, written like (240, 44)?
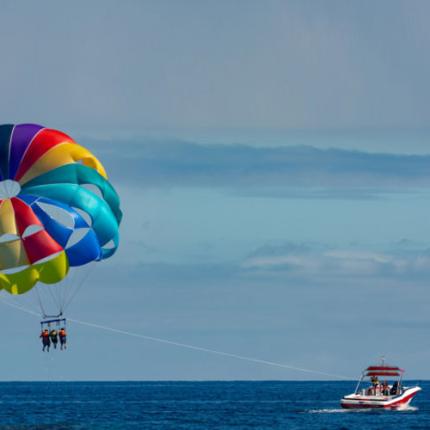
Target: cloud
(319, 262)
(292, 171)
(294, 263)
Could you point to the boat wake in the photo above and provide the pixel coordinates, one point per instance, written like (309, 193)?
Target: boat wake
(407, 409)
(357, 410)
(335, 411)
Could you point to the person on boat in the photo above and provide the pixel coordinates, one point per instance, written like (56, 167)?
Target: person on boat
(385, 389)
(63, 338)
(375, 382)
(395, 389)
(53, 335)
(46, 342)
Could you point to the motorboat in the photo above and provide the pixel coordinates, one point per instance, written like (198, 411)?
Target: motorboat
(380, 393)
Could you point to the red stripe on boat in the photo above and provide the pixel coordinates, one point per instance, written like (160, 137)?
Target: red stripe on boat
(403, 400)
(43, 142)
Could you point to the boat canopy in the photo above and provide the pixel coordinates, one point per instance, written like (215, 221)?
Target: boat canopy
(383, 371)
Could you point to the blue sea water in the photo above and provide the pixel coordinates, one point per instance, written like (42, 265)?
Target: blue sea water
(195, 405)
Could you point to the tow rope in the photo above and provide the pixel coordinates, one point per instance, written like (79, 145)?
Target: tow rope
(187, 345)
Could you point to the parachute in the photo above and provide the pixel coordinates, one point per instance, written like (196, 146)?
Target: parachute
(57, 208)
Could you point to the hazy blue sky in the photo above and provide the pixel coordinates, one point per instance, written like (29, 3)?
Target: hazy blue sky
(273, 163)
(111, 65)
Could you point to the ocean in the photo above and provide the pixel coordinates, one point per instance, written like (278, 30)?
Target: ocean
(196, 405)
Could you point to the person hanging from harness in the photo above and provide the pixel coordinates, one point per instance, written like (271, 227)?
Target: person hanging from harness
(46, 342)
(53, 335)
(63, 338)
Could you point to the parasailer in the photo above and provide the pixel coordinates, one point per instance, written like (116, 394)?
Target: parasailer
(63, 338)
(57, 211)
(46, 341)
(53, 335)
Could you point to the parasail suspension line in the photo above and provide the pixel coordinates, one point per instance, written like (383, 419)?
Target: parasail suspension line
(40, 302)
(69, 298)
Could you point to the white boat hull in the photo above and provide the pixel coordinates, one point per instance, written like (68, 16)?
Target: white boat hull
(359, 401)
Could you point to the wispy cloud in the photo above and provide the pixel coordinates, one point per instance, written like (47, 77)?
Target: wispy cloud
(290, 262)
(292, 171)
(322, 262)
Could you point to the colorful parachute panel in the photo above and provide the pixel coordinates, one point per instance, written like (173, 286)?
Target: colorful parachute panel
(65, 212)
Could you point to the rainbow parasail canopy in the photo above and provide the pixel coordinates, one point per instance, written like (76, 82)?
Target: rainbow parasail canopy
(57, 207)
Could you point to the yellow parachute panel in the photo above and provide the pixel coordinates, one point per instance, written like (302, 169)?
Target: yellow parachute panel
(49, 272)
(7, 218)
(12, 254)
(60, 155)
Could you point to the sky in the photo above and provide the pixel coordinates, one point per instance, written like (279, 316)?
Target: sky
(272, 160)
